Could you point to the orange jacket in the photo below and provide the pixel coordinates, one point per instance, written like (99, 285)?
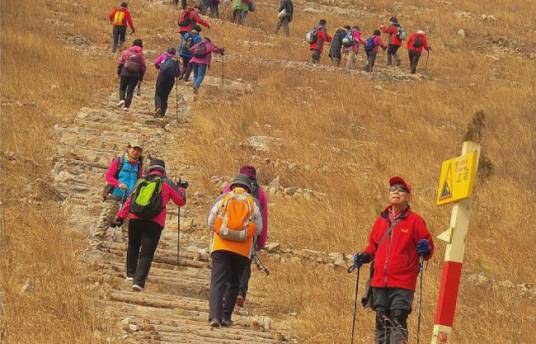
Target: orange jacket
(244, 248)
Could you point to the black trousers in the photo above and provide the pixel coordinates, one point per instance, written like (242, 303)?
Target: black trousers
(143, 238)
(392, 306)
(371, 57)
(227, 269)
(392, 53)
(164, 85)
(244, 281)
(127, 85)
(186, 68)
(315, 55)
(214, 9)
(119, 33)
(414, 58)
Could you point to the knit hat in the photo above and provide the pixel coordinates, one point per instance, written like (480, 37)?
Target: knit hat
(249, 171)
(243, 181)
(157, 164)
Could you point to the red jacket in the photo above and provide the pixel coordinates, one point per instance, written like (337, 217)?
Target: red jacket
(396, 262)
(322, 36)
(194, 19)
(411, 41)
(127, 20)
(392, 30)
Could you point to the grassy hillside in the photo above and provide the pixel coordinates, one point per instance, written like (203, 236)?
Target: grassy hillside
(341, 134)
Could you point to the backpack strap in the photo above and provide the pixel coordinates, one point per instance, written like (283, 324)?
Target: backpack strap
(388, 232)
(119, 163)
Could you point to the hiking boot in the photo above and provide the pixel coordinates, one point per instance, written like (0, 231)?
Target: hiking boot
(196, 90)
(240, 300)
(214, 323)
(125, 109)
(157, 113)
(121, 103)
(227, 323)
(136, 287)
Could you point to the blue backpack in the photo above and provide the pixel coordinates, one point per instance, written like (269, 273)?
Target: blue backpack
(370, 44)
(170, 67)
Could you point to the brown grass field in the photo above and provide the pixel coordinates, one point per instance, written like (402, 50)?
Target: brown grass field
(345, 133)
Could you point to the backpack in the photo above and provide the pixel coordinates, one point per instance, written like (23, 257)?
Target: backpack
(234, 221)
(370, 43)
(417, 43)
(133, 64)
(119, 16)
(401, 34)
(169, 67)
(199, 50)
(188, 43)
(348, 39)
(312, 36)
(108, 189)
(185, 18)
(146, 200)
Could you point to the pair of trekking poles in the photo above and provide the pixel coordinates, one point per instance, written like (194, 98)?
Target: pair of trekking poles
(354, 313)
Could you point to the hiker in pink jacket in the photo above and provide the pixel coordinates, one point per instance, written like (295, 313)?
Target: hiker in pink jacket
(144, 233)
(131, 69)
(351, 52)
(262, 201)
(202, 55)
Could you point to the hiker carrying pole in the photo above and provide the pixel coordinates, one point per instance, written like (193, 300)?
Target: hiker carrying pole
(398, 240)
(421, 271)
(354, 313)
(417, 42)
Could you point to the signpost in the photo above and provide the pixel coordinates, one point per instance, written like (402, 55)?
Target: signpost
(455, 186)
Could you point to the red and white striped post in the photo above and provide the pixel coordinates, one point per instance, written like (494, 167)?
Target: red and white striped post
(452, 266)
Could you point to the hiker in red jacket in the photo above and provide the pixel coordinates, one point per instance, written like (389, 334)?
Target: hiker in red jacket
(372, 46)
(394, 40)
(317, 46)
(144, 232)
(120, 19)
(397, 243)
(188, 18)
(416, 43)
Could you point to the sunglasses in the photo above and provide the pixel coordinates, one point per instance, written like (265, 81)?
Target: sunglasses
(399, 188)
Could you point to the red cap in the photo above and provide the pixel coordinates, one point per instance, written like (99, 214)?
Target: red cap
(399, 180)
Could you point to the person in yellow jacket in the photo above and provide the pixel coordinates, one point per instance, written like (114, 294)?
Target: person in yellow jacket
(235, 221)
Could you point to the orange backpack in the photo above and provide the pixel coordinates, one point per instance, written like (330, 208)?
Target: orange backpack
(235, 217)
(119, 17)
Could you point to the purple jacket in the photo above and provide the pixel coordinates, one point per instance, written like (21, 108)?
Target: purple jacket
(263, 202)
(161, 59)
(210, 48)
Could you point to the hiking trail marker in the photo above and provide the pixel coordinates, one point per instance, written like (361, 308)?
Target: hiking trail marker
(455, 185)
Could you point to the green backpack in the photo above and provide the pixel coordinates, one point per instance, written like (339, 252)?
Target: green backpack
(147, 197)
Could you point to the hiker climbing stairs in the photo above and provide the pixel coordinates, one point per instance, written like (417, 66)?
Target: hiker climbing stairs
(174, 307)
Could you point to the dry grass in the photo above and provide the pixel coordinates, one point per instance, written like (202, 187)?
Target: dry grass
(344, 135)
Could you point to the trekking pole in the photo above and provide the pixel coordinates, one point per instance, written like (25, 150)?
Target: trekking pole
(260, 265)
(222, 70)
(138, 93)
(351, 269)
(178, 229)
(426, 64)
(421, 268)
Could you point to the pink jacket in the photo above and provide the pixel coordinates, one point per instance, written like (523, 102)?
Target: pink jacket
(210, 48)
(263, 202)
(161, 59)
(169, 191)
(357, 39)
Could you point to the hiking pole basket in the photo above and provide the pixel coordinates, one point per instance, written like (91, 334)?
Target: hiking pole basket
(351, 269)
(421, 271)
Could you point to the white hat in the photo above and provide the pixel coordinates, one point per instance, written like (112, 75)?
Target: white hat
(421, 32)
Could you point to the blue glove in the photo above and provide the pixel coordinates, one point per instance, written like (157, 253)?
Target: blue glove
(423, 247)
(360, 259)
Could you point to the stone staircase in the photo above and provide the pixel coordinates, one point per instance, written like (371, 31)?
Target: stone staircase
(174, 307)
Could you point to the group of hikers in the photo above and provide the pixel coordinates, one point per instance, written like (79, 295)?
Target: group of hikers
(398, 243)
(238, 221)
(346, 41)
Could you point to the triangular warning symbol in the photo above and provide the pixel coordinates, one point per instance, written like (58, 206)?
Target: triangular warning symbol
(446, 189)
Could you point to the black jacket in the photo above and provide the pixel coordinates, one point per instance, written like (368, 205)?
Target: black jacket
(288, 7)
(336, 44)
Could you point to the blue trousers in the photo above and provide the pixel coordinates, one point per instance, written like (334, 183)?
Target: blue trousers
(199, 74)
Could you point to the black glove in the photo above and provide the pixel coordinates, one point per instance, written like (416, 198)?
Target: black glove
(118, 222)
(361, 258)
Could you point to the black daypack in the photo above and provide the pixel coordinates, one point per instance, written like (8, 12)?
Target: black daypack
(169, 67)
(199, 50)
(417, 43)
(146, 199)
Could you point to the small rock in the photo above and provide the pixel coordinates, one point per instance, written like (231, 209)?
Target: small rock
(291, 190)
(461, 33)
(266, 323)
(506, 284)
(133, 327)
(478, 279)
(27, 287)
(275, 183)
(272, 246)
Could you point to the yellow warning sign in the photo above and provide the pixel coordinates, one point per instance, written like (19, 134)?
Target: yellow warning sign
(456, 178)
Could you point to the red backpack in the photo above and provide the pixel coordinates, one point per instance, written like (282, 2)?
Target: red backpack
(185, 18)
